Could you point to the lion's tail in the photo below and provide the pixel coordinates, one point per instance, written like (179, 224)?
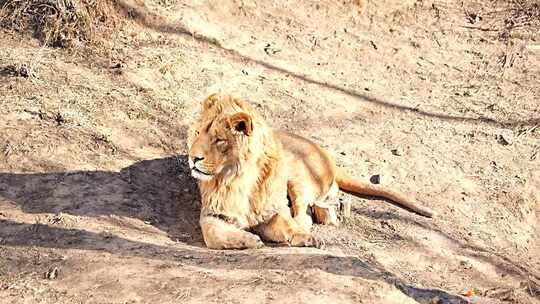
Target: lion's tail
(357, 187)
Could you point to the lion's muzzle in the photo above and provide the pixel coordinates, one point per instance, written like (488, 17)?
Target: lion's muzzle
(197, 169)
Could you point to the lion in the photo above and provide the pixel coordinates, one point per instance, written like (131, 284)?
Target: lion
(262, 184)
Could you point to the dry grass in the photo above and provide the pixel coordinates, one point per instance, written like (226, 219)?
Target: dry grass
(59, 23)
(506, 16)
(523, 13)
(519, 19)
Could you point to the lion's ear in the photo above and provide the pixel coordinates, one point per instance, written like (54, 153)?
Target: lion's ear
(241, 122)
(210, 101)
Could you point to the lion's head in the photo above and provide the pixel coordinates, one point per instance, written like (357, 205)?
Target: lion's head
(227, 134)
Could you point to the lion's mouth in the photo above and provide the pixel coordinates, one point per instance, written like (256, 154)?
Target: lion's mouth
(199, 174)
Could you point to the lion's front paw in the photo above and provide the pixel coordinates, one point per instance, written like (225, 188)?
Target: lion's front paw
(254, 241)
(305, 240)
(304, 222)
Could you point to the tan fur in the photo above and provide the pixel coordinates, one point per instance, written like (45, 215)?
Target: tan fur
(246, 171)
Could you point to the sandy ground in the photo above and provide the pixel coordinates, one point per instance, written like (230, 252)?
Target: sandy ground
(97, 205)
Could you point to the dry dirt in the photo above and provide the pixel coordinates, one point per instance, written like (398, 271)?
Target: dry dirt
(438, 97)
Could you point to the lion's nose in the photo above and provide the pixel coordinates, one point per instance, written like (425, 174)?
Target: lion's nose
(193, 160)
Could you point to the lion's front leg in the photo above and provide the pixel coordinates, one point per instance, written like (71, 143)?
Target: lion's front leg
(219, 234)
(282, 228)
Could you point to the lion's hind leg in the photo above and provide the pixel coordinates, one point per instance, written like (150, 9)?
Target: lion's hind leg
(218, 234)
(324, 210)
(301, 198)
(325, 214)
(282, 228)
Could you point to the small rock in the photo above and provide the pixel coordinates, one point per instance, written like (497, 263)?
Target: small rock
(119, 68)
(465, 264)
(385, 224)
(118, 65)
(268, 49)
(397, 152)
(106, 235)
(375, 179)
(26, 72)
(52, 273)
(59, 118)
(503, 140)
